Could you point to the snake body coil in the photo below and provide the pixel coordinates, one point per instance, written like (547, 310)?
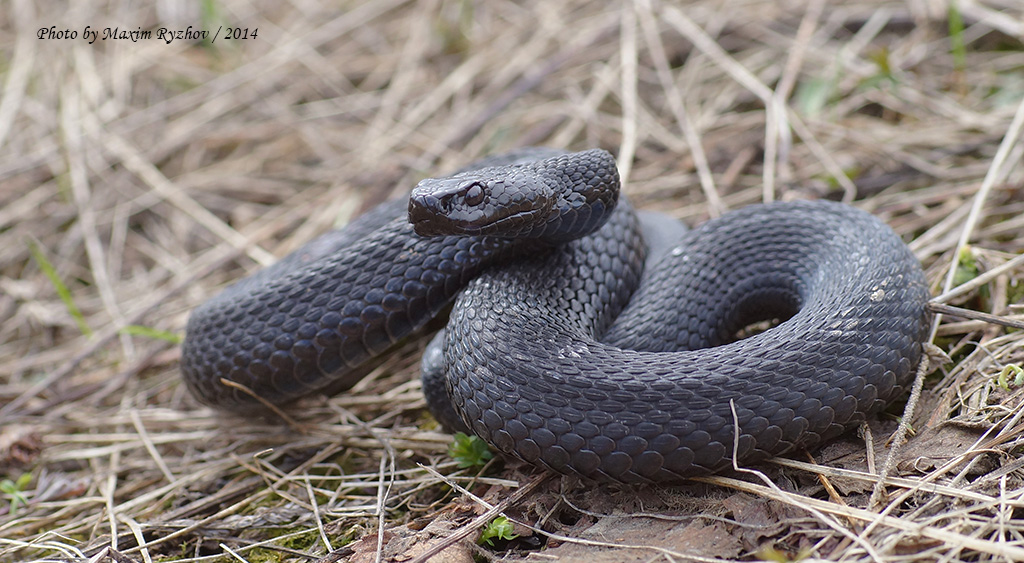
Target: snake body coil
(566, 356)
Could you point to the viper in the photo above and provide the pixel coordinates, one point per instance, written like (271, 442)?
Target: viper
(584, 337)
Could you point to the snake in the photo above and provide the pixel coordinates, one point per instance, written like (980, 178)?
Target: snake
(584, 337)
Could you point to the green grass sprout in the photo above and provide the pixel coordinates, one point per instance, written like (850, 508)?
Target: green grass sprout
(957, 46)
(469, 451)
(150, 332)
(62, 290)
(769, 553)
(14, 490)
(1003, 379)
(498, 529)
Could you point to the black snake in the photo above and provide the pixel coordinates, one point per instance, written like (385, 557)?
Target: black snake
(569, 354)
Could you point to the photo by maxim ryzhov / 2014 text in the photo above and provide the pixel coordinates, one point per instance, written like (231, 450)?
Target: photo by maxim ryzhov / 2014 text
(91, 34)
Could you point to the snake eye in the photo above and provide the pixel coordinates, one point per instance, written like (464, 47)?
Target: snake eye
(474, 194)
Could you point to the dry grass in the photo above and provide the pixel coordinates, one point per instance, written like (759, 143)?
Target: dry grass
(151, 174)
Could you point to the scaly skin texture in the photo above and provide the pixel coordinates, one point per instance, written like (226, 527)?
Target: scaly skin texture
(310, 321)
(532, 370)
(550, 359)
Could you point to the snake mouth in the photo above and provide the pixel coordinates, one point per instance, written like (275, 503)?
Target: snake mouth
(511, 225)
(428, 223)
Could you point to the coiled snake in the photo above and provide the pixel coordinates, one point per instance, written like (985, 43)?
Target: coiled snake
(567, 353)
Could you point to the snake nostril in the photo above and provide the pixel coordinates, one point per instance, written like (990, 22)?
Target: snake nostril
(446, 204)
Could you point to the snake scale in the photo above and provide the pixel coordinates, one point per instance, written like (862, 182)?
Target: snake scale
(571, 344)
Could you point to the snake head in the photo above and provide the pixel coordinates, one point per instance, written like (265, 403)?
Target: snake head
(480, 203)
